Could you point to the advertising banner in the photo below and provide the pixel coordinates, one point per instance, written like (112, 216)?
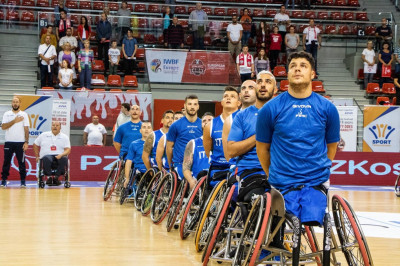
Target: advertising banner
(107, 105)
(62, 114)
(381, 129)
(3, 108)
(348, 128)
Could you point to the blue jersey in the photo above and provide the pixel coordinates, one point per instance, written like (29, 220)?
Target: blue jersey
(298, 131)
(135, 155)
(200, 160)
(243, 127)
(164, 158)
(156, 138)
(181, 132)
(127, 133)
(217, 156)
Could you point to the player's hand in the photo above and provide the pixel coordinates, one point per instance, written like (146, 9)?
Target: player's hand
(126, 183)
(18, 119)
(58, 157)
(37, 159)
(25, 147)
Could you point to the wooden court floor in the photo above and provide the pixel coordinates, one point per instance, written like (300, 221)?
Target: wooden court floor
(76, 227)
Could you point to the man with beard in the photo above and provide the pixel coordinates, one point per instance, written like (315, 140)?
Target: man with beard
(150, 145)
(212, 137)
(128, 132)
(181, 132)
(16, 124)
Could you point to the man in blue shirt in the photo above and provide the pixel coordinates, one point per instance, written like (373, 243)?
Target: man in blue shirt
(128, 132)
(104, 32)
(297, 135)
(181, 132)
(129, 49)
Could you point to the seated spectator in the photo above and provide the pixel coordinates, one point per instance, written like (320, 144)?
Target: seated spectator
(245, 64)
(69, 39)
(246, 21)
(104, 32)
(282, 20)
(62, 25)
(94, 133)
(275, 48)
(167, 19)
(174, 37)
(368, 57)
(263, 37)
(385, 64)
(84, 31)
(65, 75)
(53, 38)
(68, 55)
(292, 41)
(234, 33)
(54, 146)
(58, 8)
(114, 57)
(261, 62)
(124, 21)
(129, 49)
(47, 54)
(85, 59)
(383, 34)
(397, 58)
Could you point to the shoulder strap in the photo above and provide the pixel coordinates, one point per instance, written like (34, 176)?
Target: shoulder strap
(47, 49)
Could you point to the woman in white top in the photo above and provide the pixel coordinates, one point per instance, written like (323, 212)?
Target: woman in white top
(68, 55)
(65, 75)
(369, 59)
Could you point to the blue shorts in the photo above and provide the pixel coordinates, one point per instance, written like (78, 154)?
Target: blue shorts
(309, 204)
(178, 168)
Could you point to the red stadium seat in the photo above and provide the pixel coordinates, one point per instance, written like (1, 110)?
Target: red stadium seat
(362, 16)
(99, 90)
(388, 88)
(320, 27)
(284, 85)
(14, 2)
(130, 81)
(140, 8)
(208, 10)
(43, 3)
(47, 88)
(394, 101)
(161, 39)
(132, 91)
(370, 30)
(180, 10)
(54, 3)
(189, 40)
(113, 6)
(353, 3)
(141, 67)
(154, 8)
(98, 80)
(74, 19)
(270, 13)
(140, 53)
(280, 71)
(309, 14)
(207, 41)
(383, 99)
(184, 24)
(157, 23)
(219, 11)
(373, 88)
(302, 27)
(116, 90)
(336, 15)
(360, 75)
(98, 5)
(28, 2)
(344, 30)
(191, 8)
(143, 23)
(85, 5)
(317, 86)
(258, 12)
(232, 11)
(340, 3)
(27, 16)
(327, 2)
(71, 4)
(149, 39)
(1, 15)
(348, 15)
(297, 14)
(355, 28)
(93, 36)
(114, 80)
(98, 65)
(322, 15)
(12, 15)
(330, 29)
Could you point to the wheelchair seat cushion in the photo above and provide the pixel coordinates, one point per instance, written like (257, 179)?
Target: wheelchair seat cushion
(252, 184)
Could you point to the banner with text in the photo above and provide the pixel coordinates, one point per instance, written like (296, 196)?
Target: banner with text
(3, 108)
(381, 129)
(348, 128)
(62, 114)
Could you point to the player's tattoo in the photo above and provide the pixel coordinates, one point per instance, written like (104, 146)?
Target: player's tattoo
(188, 157)
(148, 144)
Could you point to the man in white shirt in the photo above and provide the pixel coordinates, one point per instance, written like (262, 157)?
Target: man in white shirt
(69, 39)
(245, 64)
(282, 20)
(312, 41)
(54, 146)
(16, 124)
(123, 117)
(47, 53)
(234, 32)
(94, 133)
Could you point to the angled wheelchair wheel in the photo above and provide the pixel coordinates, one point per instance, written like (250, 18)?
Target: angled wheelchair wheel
(142, 187)
(192, 212)
(209, 214)
(352, 240)
(177, 204)
(397, 186)
(148, 196)
(164, 197)
(67, 184)
(112, 180)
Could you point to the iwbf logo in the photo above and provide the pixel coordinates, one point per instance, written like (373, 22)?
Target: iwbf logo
(35, 123)
(155, 65)
(381, 133)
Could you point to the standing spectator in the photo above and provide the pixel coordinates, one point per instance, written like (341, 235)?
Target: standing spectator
(261, 63)
(124, 21)
(68, 38)
(103, 36)
(246, 20)
(167, 18)
(235, 33)
(174, 37)
(84, 31)
(312, 41)
(62, 25)
(65, 75)
(368, 57)
(85, 59)
(385, 60)
(114, 56)
(68, 55)
(198, 22)
(292, 41)
(129, 49)
(53, 38)
(262, 37)
(283, 20)
(94, 133)
(275, 48)
(123, 117)
(397, 58)
(57, 10)
(245, 64)
(15, 123)
(47, 54)
(383, 34)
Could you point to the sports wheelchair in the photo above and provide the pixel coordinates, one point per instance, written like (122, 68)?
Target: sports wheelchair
(115, 180)
(43, 179)
(129, 193)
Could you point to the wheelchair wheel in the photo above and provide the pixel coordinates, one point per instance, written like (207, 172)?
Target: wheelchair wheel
(132, 179)
(164, 197)
(193, 208)
(41, 184)
(67, 184)
(121, 180)
(219, 232)
(177, 205)
(352, 240)
(148, 196)
(397, 187)
(142, 186)
(112, 180)
(209, 214)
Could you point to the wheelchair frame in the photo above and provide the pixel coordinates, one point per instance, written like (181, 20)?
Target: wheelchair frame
(41, 183)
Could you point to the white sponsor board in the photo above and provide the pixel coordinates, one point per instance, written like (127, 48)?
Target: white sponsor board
(165, 66)
(348, 128)
(62, 114)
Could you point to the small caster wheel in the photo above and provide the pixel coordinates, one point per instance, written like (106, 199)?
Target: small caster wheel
(67, 184)
(41, 184)
(176, 226)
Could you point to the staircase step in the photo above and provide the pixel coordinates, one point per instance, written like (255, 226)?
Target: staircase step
(6, 75)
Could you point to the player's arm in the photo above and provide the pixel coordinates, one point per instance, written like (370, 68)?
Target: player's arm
(117, 146)
(236, 148)
(148, 146)
(332, 148)
(160, 153)
(7, 125)
(64, 153)
(169, 149)
(85, 140)
(187, 165)
(264, 156)
(225, 133)
(36, 149)
(128, 166)
(26, 131)
(207, 140)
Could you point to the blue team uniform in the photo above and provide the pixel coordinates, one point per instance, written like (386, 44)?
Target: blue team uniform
(157, 136)
(181, 132)
(200, 160)
(135, 155)
(127, 133)
(299, 131)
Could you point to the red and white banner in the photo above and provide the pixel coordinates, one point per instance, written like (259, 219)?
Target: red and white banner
(177, 66)
(349, 168)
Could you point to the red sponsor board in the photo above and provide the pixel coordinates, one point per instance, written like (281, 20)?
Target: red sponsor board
(349, 168)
